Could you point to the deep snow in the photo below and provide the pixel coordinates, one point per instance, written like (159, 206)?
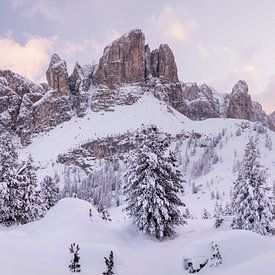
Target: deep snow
(42, 247)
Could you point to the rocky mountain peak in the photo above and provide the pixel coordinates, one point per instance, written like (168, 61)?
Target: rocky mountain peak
(123, 61)
(167, 68)
(57, 75)
(127, 60)
(240, 104)
(240, 87)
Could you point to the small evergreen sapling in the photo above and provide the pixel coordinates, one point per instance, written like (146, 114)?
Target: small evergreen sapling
(218, 215)
(75, 265)
(205, 214)
(109, 264)
(216, 258)
(106, 215)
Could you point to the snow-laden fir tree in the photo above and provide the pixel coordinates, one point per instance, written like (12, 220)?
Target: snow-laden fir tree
(20, 201)
(33, 206)
(216, 258)
(50, 191)
(153, 185)
(109, 264)
(250, 201)
(10, 193)
(75, 262)
(218, 214)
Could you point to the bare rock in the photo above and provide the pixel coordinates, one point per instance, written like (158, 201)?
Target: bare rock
(57, 75)
(240, 105)
(9, 106)
(200, 101)
(123, 61)
(167, 68)
(105, 99)
(163, 65)
(80, 82)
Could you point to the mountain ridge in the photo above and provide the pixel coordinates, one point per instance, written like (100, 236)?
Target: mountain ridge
(126, 70)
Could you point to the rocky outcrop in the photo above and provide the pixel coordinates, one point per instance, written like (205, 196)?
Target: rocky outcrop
(123, 61)
(98, 149)
(162, 65)
(18, 94)
(27, 108)
(50, 111)
(80, 82)
(166, 69)
(200, 101)
(9, 106)
(105, 99)
(57, 75)
(240, 104)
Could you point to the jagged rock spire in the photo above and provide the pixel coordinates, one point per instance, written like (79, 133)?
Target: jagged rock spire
(57, 75)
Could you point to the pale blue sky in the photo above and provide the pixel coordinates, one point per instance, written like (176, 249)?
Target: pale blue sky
(214, 41)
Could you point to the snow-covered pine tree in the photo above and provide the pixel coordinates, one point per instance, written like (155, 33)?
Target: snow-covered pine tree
(153, 185)
(216, 258)
(205, 214)
(106, 215)
(75, 265)
(250, 201)
(32, 200)
(109, 264)
(10, 204)
(50, 192)
(218, 214)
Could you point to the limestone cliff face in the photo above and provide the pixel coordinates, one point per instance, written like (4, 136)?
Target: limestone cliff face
(57, 75)
(80, 82)
(123, 61)
(240, 104)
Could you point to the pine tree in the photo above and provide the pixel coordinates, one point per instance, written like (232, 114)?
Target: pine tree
(250, 201)
(153, 185)
(218, 215)
(216, 258)
(10, 193)
(20, 201)
(106, 215)
(32, 201)
(109, 264)
(75, 265)
(205, 214)
(50, 191)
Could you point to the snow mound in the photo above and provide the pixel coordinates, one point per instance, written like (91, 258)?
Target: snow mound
(238, 248)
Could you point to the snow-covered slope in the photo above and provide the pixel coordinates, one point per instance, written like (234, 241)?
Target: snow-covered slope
(43, 247)
(148, 110)
(209, 177)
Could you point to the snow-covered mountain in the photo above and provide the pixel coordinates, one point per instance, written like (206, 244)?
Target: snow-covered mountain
(80, 128)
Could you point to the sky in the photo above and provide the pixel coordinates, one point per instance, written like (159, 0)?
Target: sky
(216, 42)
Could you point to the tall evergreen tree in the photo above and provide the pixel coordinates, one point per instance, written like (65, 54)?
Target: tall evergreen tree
(153, 185)
(50, 191)
(20, 202)
(32, 201)
(10, 203)
(250, 201)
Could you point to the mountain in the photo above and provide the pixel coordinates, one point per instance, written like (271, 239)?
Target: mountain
(80, 129)
(126, 70)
